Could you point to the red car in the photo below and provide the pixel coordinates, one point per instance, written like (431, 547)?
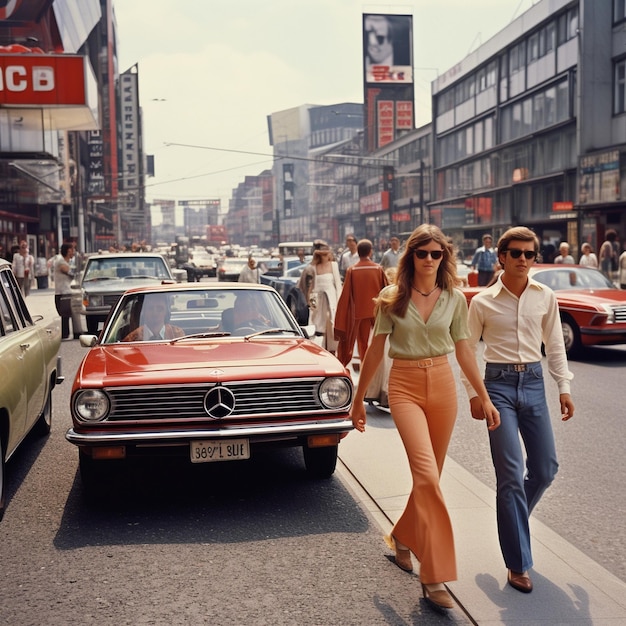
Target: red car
(209, 371)
(593, 311)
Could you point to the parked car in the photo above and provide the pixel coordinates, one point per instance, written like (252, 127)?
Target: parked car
(230, 268)
(30, 368)
(287, 286)
(238, 374)
(108, 275)
(593, 311)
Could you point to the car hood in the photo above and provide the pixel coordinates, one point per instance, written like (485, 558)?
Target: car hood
(592, 297)
(206, 360)
(118, 285)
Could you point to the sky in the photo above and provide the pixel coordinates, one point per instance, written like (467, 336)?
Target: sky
(211, 71)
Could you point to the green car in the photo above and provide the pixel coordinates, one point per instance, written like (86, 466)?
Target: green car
(30, 368)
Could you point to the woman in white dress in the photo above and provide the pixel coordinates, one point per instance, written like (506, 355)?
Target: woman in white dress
(321, 285)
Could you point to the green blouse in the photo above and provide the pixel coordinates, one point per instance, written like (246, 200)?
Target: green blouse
(411, 338)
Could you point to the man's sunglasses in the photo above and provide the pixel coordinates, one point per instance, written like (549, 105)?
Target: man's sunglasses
(435, 255)
(516, 253)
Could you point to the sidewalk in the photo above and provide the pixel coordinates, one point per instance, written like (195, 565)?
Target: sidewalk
(569, 587)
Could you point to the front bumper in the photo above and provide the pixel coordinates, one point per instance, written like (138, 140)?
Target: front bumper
(256, 434)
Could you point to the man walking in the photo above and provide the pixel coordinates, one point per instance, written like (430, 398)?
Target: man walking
(349, 257)
(355, 310)
(484, 261)
(392, 254)
(514, 316)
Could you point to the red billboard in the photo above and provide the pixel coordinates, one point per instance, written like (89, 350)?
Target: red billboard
(387, 77)
(42, 80)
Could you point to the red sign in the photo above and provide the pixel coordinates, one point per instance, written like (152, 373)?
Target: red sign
(42, 80)
(562, 206)
(374, 203)
(400, 217)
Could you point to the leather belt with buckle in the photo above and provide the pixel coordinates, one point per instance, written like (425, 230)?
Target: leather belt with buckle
(519, 367)
(425, 363)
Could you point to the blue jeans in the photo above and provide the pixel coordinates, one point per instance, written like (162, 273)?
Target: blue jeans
(520, 397)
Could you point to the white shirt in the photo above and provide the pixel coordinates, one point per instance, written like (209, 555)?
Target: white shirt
(348, 260)
(513, 329)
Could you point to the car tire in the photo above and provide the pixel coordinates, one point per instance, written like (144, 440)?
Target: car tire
(3, 481)
(571, 336)
(44, 422)
(320, 462)
(92, 326)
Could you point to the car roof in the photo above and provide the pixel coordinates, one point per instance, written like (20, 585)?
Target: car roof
(221, 286)
(125, 255)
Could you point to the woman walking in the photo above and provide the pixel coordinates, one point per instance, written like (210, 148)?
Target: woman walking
(425, 319)
(321, 284)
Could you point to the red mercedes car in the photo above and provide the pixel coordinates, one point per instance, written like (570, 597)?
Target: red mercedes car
(593, 311)
(209, 371)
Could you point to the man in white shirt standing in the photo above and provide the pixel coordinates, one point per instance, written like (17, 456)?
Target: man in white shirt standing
(514, 317)
(350, 256)
(392, 254)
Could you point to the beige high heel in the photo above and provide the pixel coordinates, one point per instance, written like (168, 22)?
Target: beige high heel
(402, 555)
(439, 599)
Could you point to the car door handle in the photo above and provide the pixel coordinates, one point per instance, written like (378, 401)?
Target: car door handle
(24, 346)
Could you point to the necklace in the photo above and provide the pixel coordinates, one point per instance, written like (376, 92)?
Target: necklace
(421, 293)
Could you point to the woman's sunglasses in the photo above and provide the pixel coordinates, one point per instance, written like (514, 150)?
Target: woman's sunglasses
(516, 253)
(435, 255)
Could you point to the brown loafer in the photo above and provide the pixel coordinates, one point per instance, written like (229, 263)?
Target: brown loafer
(439, 600)
(403, 556)
(521, 582)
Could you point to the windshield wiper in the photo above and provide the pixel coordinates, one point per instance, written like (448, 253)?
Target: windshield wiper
(271, 331)
(216, 333)
(88, 280)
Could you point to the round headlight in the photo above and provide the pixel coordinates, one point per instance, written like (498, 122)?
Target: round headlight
(335, 393)
(91, 405)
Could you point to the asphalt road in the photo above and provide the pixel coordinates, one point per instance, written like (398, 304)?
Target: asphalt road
(230, 543)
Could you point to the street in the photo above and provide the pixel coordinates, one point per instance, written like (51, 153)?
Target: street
(258, 542)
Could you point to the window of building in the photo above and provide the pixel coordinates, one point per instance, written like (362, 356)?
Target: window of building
(619, 10)
(532, 50)
(620, 87)
(567, 26)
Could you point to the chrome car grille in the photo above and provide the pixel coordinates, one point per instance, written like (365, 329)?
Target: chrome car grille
(183, 402)
(620, 313)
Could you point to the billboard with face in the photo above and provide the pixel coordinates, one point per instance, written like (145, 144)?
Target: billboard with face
(387, 77)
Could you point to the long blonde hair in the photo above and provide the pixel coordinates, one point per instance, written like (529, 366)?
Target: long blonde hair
(396, 301)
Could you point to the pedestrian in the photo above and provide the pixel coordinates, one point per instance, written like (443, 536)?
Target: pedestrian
(321, 284)
(484, 260)
(392, 254)
(587, 257)
(621, 270)
(23, 267)
(250, 273)
(609, 251)
(423, 316)
(62, 290)
(514, 317)
(349, 257)
(355, 310)
(564, 257)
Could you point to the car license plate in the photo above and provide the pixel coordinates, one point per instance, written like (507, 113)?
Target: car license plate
(212, 450)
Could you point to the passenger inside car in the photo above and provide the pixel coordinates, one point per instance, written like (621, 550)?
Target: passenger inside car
(154, 321)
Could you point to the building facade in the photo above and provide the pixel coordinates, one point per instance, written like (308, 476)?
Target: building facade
(530, 127)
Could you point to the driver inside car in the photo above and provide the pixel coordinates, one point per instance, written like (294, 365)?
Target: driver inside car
(247, 313)
(155, 317)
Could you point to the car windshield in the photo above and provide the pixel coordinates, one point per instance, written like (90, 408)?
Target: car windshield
(116, 267)
(210, 313)
(572, 277)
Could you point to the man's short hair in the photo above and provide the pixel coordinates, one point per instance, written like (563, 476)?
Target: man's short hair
(364, 248)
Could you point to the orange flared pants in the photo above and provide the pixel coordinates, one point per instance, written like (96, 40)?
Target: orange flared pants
(423, 404)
